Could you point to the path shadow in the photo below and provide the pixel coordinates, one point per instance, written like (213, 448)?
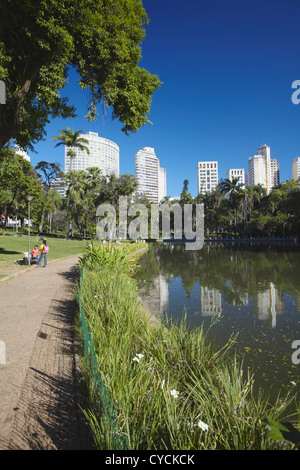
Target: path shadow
(50, 409)
(52, 420)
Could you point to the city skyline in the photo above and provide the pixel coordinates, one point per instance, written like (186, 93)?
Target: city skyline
(250, 176)
(225, 90)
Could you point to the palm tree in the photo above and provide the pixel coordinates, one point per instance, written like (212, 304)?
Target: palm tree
(254, 195)
(75, 198)
(73, 141)
(231, 189)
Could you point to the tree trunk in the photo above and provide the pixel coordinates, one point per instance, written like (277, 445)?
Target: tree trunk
(41, 222)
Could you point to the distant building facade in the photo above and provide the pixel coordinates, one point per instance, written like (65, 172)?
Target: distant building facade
(296, 169)
(22, 153)
(162, 183)
(263, 170)
(274, 173)
(237, 173)
(104, 154)
(59, 185)
(150, 177)
(207, 175)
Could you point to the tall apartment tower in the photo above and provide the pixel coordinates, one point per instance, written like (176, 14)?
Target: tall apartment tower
(237, 173)
(274, 172)
(162, 183)
(296, 169)
(150, 177)
(104, 154)
(207, 173)
(263, 170)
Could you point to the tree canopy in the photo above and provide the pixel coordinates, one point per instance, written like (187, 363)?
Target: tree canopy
(41, 40)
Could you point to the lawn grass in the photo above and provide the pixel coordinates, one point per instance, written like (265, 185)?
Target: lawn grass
(13, 247)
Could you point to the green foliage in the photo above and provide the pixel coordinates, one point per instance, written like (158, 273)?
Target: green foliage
(48, 172)
(112, 188)
(113, 256)
(17, 179)
(236, 212)
(283, 431)
(170, 388)
(41, 40)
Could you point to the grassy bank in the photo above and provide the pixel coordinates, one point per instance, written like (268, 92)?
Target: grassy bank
(170, 388)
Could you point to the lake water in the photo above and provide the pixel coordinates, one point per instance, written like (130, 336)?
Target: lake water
(256, 291)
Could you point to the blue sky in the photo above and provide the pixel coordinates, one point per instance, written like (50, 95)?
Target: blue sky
(227, 69)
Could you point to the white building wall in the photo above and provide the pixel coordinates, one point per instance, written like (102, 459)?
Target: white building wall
(275, 180)
(151, 178)
(104, 154)
(296, 168)
(22, 153)
(238, 173)
(207, 173)
(266, 152)
(257, 171)
(162, 183)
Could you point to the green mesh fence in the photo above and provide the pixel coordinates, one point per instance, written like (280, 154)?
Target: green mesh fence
(101, 405)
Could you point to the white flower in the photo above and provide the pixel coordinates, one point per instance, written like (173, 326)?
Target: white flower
(96, 296)
(293, 383)
(203, 426)
(138, 357)
(174, 393)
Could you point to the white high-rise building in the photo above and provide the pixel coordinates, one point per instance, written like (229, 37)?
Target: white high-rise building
(296, 169)
(237, 173)
(150, 177)
(162, 183)
(257, 171)
(207, 173)
(22, 153)
(265, 151)
(274, 173)
(104, 154)
(263, 170)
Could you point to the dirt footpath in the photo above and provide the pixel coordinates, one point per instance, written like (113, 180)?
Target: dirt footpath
(39, 368)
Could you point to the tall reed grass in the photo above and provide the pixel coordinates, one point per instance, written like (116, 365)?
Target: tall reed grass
(170, 388)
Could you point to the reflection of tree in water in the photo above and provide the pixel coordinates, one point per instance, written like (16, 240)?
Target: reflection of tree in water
(234, 271)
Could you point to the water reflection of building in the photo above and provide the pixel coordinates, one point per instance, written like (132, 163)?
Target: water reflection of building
(269, 304)
(210, 301)
(157, 298)
(238, 298)
(163, 293)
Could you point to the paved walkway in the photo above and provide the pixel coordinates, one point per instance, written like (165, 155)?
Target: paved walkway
(40, 374)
